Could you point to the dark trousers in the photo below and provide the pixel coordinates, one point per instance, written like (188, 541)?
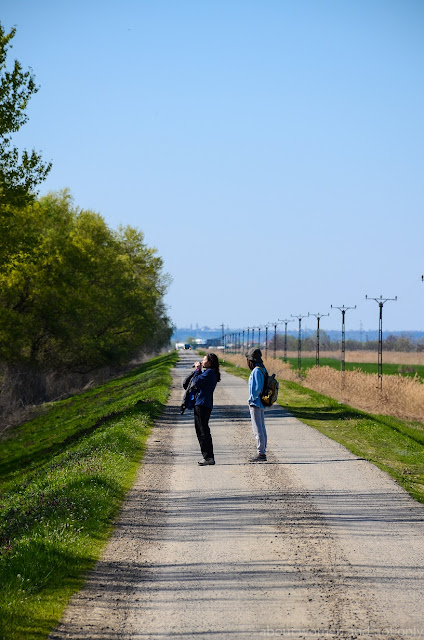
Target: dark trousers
(201, 422)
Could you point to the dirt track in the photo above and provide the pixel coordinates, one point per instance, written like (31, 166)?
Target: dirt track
(314, 544)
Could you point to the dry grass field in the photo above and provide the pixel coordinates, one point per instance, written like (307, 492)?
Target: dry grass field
(402, 397)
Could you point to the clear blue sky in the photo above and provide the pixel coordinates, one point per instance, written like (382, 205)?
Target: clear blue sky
(271, 150)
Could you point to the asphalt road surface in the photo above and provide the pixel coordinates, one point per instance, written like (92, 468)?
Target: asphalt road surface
(316, 543)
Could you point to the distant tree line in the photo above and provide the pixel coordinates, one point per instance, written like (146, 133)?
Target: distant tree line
(391, 343)
(76, 296)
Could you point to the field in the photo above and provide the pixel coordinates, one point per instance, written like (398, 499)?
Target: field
(63, 477)
(389, 357)
(401, 396)
(366, 367)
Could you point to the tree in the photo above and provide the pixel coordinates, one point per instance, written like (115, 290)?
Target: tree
(75, 295)
(19, 173)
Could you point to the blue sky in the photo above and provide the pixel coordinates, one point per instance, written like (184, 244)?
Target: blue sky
(272, 151)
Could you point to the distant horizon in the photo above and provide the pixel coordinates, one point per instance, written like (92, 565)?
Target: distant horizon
(291, 330)
(306, 332)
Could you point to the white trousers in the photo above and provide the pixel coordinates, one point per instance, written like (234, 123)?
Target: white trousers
(258, 427)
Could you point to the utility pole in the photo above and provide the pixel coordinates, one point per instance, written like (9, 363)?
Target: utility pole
(259, 334)
(248, 334)
(285, 337)
(223, 336)
(380, 301)
(318, 317)
(253, 337)
(275, 338)
(343, 309)
(258, 344)
(266, 341)
(244, 331)
(299, 342)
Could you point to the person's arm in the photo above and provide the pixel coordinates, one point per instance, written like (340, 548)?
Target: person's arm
(256, 385)
(201, 380)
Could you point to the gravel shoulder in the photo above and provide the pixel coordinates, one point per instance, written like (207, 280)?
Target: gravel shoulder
(315, 543)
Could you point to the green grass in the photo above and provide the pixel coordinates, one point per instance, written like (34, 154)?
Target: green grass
(366, 367)
(396, 446)
(63, 477)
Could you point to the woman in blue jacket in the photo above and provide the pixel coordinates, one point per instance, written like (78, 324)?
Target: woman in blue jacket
(256, 408)
(205, 383)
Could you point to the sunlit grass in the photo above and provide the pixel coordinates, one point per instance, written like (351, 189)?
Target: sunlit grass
(63, 478)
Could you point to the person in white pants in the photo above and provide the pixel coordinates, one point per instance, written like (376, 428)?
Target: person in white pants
(256, 408)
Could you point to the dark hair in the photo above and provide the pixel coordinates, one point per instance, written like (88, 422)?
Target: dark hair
(251, 364)
(214, 362)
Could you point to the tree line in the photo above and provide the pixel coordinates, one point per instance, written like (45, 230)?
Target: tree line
(76, 296)
(391, 343)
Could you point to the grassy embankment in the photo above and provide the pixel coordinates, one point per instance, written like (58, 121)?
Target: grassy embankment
(63, 477)
(396, 446)
(366, 367)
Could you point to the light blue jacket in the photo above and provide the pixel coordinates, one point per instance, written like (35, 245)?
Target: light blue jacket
(256, 386)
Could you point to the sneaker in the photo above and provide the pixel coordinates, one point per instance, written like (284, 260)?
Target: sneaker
(261, 457)
(205, 462)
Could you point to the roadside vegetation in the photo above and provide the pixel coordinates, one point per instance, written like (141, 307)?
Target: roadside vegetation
(394, 445)
(63, 477)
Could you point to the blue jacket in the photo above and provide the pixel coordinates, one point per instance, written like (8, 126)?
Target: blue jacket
(205, 382)
(256, 386)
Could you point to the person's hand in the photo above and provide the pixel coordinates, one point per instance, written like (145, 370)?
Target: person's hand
(198, 365)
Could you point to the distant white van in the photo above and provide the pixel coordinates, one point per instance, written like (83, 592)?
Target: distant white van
(182, 346)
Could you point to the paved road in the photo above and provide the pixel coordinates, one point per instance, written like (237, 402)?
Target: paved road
(314, 544)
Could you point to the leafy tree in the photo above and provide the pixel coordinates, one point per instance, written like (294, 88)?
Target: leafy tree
(76, 295)
(398, 343)
(19, 173)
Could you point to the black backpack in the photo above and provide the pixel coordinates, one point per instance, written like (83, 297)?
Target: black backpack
(270, 391)
(190, 394)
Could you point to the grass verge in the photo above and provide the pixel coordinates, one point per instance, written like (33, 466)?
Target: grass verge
(396, 446)
(63, 478)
